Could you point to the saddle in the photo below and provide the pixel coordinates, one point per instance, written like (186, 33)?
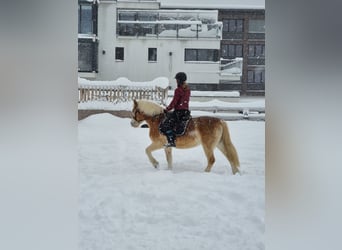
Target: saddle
(180, 128)
(176, 123)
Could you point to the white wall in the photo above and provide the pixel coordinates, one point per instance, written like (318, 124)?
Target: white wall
(107, 37)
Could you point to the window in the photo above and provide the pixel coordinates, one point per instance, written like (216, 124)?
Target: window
(231, 51)
(127, 16)
(256, 50)
(256, 26)
(256, 76)
(127, 29)
(152, 54)
(173, 24)
(233, 25)
(147, 16)
(87, 18)
(87, 55)
(201, 55)
(119, 53)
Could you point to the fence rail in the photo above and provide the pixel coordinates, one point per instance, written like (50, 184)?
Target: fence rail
(116, 94)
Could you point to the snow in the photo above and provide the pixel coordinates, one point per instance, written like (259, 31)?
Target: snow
(127, 204)
(211, 93)
(214, 103)
(161, 82)
(213, 4)
(86, 36)
(188, 32)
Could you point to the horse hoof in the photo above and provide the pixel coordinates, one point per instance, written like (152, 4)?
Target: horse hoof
(156, 166)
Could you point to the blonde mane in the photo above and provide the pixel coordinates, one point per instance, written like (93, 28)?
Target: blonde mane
(150, 108)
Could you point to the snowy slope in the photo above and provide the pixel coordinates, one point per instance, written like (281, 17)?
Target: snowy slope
(126, 204)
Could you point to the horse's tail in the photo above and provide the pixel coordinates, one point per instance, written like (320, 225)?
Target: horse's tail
(228, 149)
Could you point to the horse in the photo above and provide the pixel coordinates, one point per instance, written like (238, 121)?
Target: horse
(210, 132)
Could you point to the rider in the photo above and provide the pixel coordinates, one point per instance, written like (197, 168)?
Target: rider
(180, 104)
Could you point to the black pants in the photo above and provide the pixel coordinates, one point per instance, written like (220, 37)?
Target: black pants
(174, 122)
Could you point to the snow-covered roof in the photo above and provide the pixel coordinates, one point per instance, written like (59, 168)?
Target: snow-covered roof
(213, 4)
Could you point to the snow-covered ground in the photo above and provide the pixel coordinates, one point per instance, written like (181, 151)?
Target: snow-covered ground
(127, 204)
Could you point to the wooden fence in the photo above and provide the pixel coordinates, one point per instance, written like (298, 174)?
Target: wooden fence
(121, 93)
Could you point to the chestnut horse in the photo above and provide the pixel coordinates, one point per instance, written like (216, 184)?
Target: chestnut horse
(211, 132)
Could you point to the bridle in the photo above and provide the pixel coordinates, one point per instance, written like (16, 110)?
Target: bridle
(134, 115)
(137, 111)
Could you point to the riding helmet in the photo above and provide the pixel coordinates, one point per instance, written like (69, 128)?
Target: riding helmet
(180, 77)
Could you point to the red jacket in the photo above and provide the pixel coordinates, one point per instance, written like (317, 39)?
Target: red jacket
(180, 99)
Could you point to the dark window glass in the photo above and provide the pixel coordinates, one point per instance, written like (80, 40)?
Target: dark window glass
(256, 76)
(85, 19)
(256, 26)
(147, 16)
(231, 51)
(152, 54)
(238, 51)
(127, 29)
(251, 51)
(146, 29)
(190, 55)
(87, 56)
(224, 51)
(257, 50)
(201, 55)
(250, 76)
(127, 16)
(119, 53)
(233, 25)
(225, 25)
(239, 25)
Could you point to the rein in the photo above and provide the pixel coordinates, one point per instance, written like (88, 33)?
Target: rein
(159, 116)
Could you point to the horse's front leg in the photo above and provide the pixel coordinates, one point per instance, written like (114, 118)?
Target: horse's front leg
(149, 150)
(168, 153)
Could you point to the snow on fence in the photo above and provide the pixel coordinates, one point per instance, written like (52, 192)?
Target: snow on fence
(122, 90)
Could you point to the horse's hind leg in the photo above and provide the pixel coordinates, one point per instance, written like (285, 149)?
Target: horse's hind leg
(168, 153)
(149, 150)
(231, 157)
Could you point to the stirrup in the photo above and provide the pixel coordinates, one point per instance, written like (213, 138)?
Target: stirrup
(170, 144)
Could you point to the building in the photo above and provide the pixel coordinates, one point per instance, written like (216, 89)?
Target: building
(142, 40)
(244, 36)
(242, 48)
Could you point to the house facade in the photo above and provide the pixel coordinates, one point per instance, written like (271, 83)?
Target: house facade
(243, 36)
(142, 40)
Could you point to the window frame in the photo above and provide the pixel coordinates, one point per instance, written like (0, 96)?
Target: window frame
(252, 51)
(228, 55)
(197, 54)
(229, 23)
(151, 57)
(93, 19)
(252, 75)
(256, 31)
(93, 55)
(118, 53)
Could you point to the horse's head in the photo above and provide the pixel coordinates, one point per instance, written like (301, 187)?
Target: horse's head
(143, 109)
(137, 115)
